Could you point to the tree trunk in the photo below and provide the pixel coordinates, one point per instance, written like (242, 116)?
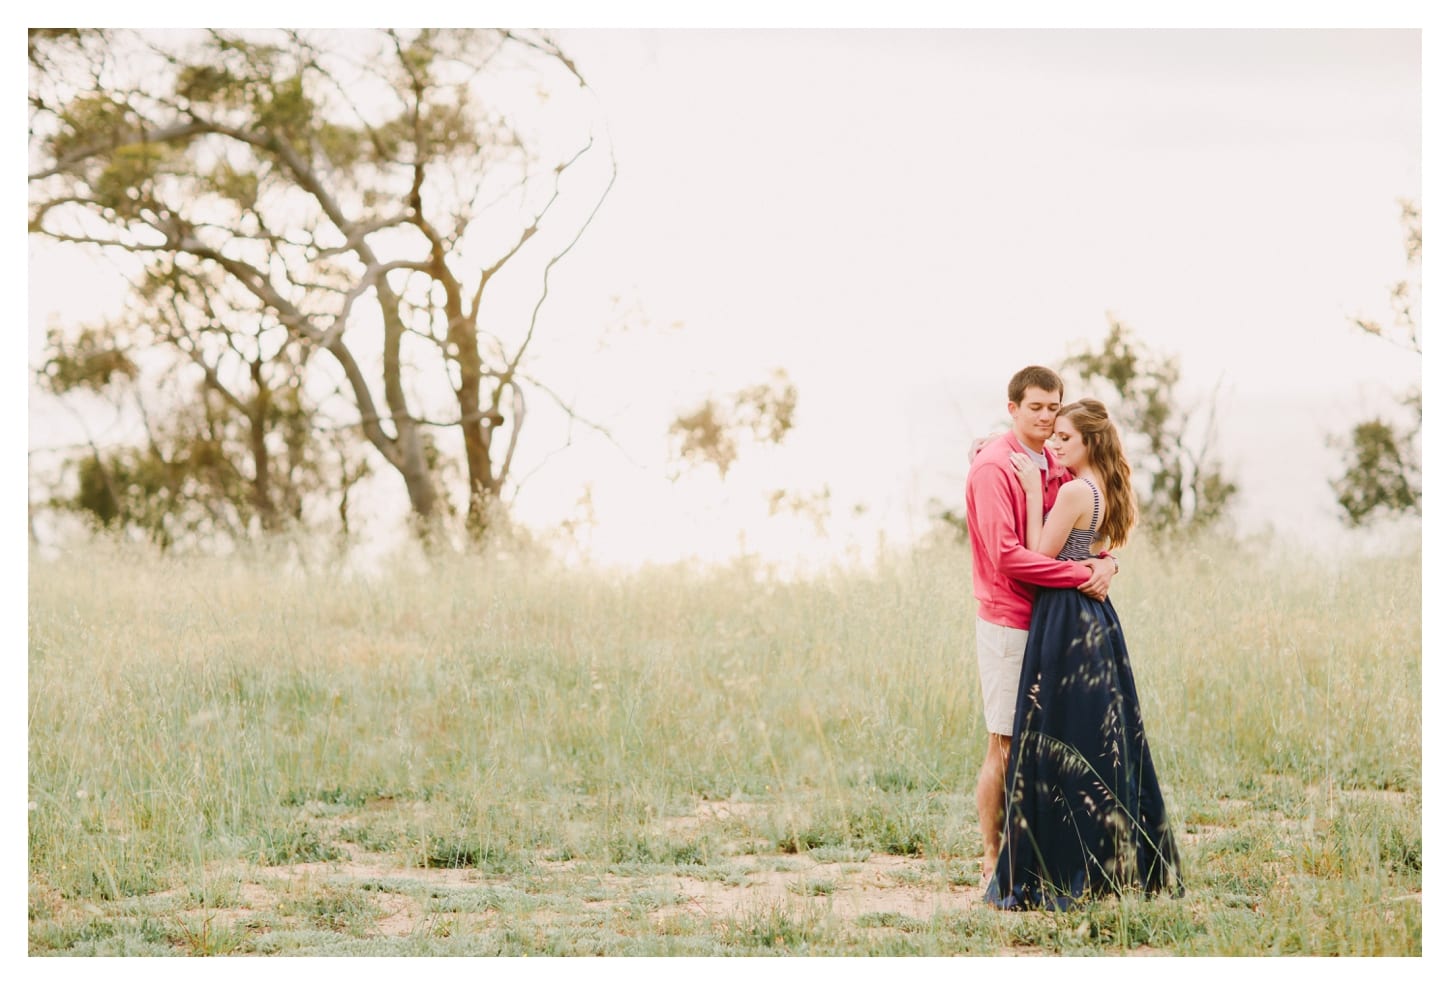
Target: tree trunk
(261, 463)
(477, 425)
(413, 463)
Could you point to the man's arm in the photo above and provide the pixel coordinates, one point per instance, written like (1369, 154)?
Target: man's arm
(994, 493)
(1103, 570)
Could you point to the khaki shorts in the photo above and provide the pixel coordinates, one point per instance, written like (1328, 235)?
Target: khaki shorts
(999, 661)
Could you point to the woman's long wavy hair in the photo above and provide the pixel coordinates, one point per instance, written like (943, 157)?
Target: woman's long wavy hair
(1105, 452)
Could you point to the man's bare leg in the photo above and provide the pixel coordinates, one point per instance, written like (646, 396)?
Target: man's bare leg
(991, 799)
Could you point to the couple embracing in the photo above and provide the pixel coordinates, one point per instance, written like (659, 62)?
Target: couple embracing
(1067, 798)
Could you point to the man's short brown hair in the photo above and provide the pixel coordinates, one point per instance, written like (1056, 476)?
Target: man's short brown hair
(1038, 376)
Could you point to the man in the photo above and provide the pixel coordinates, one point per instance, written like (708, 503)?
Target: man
(1005, 573)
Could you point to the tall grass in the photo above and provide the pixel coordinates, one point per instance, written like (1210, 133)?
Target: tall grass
(185, 711)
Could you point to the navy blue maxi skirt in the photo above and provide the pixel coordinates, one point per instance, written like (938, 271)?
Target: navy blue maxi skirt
(1084, 813)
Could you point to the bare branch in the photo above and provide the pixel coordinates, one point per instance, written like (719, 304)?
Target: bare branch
(518, 424)
(360, 231)
(573, 415)
(442, 344)
(533, 227)
(548, 268)
(548, 47)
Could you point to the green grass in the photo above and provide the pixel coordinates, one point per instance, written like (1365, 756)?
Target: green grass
(259, 756)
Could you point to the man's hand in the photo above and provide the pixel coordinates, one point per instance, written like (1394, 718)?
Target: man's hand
(1103, 569)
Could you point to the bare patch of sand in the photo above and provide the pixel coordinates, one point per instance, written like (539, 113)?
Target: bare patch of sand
(880, 884)
(711, 812)
(884, 884)
(402, 915)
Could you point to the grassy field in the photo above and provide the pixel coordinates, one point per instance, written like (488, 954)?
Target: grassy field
(491, 757)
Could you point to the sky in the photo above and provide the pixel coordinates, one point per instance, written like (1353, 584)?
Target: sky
(902, 218)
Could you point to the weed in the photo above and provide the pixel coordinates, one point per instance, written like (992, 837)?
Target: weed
(206, 936)
(464, 852)
(894, 921)
(340, 909)
(813, 887)
(776, 929)
(294, 844)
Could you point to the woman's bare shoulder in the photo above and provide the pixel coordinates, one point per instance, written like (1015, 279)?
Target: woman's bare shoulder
(1075, 500)
(1075, 491)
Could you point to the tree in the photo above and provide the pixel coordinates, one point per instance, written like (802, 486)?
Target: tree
(1381, 474)
(351, 194)
(711, 434)
(213, 461)
(760, 415)
(1171, 448)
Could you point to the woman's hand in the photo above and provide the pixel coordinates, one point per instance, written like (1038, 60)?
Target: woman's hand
(1028, 474)
(981, 443)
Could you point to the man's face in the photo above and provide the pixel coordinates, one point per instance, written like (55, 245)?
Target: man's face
(1034, 417)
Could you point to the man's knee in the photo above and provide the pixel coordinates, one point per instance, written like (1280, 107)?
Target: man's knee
(994, 763)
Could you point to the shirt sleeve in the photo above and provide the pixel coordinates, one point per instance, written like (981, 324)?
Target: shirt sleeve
(994, 496)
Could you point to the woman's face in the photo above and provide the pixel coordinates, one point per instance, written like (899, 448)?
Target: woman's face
(1067, 443)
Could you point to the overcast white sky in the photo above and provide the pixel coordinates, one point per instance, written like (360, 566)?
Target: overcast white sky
(902, 218)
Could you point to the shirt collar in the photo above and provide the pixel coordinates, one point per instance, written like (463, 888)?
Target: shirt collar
(1055, 469)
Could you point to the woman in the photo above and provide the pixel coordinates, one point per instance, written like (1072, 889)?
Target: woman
(1085, 815)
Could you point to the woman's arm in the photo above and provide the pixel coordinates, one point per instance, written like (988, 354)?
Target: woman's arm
(1047, 535)
(1031, 478)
